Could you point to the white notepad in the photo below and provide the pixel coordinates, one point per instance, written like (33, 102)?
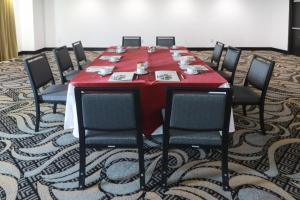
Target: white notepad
(166, 76)
(108, 57)
(178, 58)
(179, 51)
(98, 68)
(121, 76)
(115, 51)
(197, 67)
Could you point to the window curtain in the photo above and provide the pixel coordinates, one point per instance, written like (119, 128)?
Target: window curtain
(8, 39)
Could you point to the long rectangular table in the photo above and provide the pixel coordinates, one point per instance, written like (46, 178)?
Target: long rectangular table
(153, 93)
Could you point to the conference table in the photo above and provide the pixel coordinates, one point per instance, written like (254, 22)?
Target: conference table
(152, 91)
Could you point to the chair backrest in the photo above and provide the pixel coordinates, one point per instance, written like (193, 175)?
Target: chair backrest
(231, 59)
(132, 41)
(165, 41)
(217, 53)
(260, 72)
(39, 71)
(108, 109)
(79, 52)
(63, 59)
(198, 109)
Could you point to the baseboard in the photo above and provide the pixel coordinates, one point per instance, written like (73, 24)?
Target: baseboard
(94, 48)
(281, 51)
(31, 52)
(264, 49)
(85, 48)
(51, 49)
(200, 48)
(190, 48)
(242, 48)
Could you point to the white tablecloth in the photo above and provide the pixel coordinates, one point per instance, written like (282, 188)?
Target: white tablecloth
(71, 114)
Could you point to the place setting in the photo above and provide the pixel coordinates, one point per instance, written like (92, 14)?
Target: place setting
(101, 70)
(151, 49)
(111, 58)
(195, 69)
(174, 47)
(177, 55)
(179, 51)
(141, 68)
(118, 50)
(184, 64)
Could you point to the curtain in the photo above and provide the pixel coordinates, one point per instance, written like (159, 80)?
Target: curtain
(8, 39)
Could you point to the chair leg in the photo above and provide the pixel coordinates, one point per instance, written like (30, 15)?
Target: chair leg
(81, 166)
(164, 162)
(37, 117)
(54, 108)
(141, 162)
(225, 176)
(244, 110)
(79, 66)
(261, 118)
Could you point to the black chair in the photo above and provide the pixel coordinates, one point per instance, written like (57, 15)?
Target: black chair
(165, 41)
(65, 65)
(80, 56)
(259, 75)
(230, 63)
(40, 75)
(216, 57)
(131, 41)
(197, 118)
(109, 117)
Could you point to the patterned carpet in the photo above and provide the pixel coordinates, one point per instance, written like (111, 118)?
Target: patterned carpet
(44, 165)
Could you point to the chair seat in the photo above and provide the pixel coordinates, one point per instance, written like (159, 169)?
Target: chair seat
(225, 75)
(195, 138)
(55, 93)
(110, 138)
(214, 66)
(244, 95)
(71, 74)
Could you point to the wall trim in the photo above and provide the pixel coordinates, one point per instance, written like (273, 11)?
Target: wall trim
(243, 48)
(51, 49)
(31, 52)
(190, 48)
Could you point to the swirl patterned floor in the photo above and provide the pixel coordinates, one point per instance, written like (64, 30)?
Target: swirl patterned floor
(44, 165)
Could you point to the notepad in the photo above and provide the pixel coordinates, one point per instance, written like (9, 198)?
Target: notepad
(179, 51)
(166, 76)
(109, 57)
(197, 67)
(98, 68)
(121, 76)
(116, 50)
(189, 58)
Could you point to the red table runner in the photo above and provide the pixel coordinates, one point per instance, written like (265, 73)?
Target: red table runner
(153, 93)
